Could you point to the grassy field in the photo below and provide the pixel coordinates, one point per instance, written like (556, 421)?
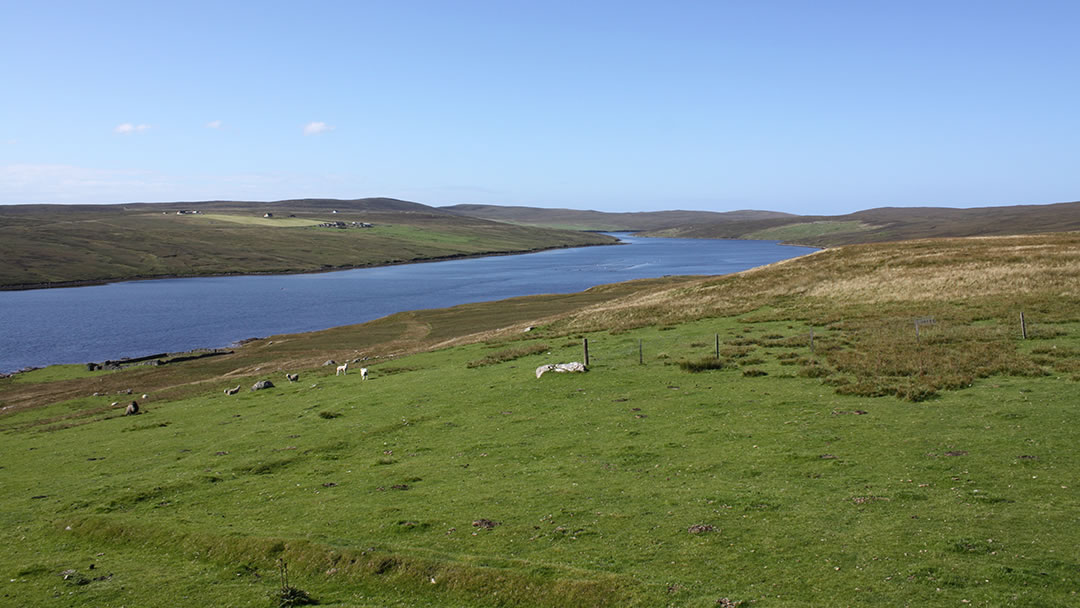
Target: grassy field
(253, 220)
(44, 245)
(780, 437)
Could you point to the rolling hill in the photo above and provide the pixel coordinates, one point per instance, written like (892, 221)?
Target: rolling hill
(600, 220)
(891, 224)
(49, 245)
(868, 226)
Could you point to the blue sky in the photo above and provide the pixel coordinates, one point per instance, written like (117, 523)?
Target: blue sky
(801, 106)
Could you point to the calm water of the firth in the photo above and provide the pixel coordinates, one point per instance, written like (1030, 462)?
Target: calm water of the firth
(81, 324)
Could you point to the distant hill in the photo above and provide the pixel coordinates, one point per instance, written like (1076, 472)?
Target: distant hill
(49, 245)
(891, 224)
(574, 219)
(872, 225)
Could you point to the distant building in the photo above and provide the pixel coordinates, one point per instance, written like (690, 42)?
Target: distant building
(268, 214)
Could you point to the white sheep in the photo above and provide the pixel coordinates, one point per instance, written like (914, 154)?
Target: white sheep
(343, 369)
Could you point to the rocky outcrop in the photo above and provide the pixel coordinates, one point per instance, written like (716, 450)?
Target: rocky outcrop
(261, 384)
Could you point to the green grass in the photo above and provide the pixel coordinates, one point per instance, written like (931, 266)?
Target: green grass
(55, 373)
(510, 354)
(596, 479)
(867, 466)
(258, 220)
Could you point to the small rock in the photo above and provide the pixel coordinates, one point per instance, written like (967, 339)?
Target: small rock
(572, 367)
(262, 384)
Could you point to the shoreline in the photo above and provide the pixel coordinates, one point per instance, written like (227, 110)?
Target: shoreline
(19, 368)
(445, 258)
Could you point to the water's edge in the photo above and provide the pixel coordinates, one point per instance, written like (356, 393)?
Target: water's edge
(101, 321)
(158, 277)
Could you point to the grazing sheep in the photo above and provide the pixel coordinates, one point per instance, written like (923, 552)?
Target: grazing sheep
(363, 373)
(293, 377)
(343, 369)
(232, 391)
(132, 409)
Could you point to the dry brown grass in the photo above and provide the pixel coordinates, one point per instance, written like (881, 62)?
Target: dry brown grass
(1000, 272)
(869, 297)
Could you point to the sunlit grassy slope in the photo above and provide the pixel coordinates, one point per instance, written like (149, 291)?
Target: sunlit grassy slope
(56, 244)
(779, 437)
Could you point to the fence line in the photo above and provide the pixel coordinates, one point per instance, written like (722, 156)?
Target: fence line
(684, 347)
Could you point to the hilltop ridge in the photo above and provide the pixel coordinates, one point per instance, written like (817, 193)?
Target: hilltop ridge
(867, 226)
(603, 220)
(892, 224)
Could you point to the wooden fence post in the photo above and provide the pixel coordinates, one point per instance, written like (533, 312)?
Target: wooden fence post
(923, 321)
(585, 345)
(717, 336)
(640, 357)
(1023, 326)
(811, 339)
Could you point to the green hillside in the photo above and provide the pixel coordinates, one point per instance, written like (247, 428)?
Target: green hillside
(866, 425)
(66, 244)
(890, 224)
(576, 219)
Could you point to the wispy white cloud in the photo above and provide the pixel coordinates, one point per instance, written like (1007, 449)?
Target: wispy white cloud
(128, 128)
(32, 183)
(213, 124)
(316, 128)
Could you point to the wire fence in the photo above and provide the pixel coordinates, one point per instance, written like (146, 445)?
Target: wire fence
(807, 341)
